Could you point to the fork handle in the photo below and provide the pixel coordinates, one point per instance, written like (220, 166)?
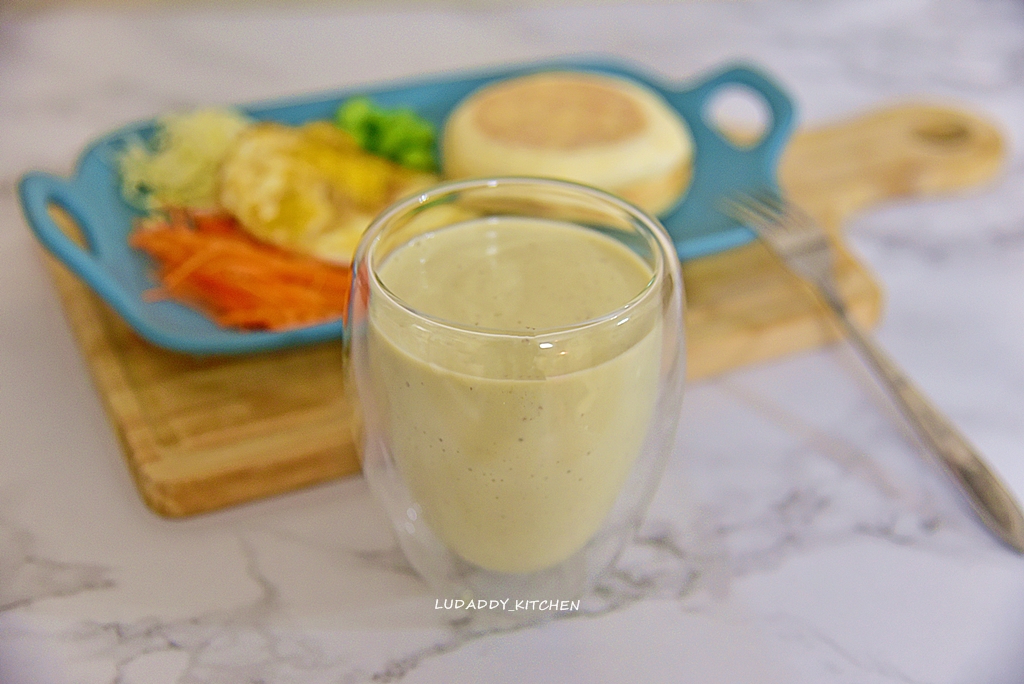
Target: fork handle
(988, 496)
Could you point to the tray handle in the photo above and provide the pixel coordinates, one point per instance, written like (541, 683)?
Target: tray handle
(38, 191)
(766, 151)
(722, 167)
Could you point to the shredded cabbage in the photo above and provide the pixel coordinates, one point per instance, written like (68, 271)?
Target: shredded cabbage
(179, 166)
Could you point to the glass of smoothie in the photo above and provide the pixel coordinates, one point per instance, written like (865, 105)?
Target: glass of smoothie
(516, 350)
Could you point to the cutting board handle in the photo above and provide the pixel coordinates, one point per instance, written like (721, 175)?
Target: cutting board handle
(913, 150)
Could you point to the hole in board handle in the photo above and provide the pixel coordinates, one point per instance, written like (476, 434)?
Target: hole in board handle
(945, 133)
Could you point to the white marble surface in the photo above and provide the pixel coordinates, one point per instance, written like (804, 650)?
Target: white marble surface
(797, 537)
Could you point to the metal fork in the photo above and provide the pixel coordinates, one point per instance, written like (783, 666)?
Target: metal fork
(803, 246)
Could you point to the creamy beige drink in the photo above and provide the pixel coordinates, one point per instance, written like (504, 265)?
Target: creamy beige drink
(514, 440)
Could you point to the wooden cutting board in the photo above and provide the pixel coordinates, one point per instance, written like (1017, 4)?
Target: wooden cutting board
(204, 433)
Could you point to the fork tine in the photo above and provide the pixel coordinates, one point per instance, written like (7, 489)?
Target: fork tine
(744, 207)
(771, 216)
(758, 213)
(797, 217)
(789, 232)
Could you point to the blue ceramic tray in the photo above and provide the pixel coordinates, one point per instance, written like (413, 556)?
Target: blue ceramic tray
(120, 275)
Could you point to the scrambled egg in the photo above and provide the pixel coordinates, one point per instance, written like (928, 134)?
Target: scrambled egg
(309, 188)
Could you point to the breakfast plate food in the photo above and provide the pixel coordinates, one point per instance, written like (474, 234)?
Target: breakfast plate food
(678, 168)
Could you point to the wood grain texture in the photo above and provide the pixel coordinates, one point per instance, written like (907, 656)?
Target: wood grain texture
(204, 433)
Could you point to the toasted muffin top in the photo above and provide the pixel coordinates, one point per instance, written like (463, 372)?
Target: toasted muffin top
(559, 111)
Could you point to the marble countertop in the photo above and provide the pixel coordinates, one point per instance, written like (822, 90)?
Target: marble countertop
(798, 535)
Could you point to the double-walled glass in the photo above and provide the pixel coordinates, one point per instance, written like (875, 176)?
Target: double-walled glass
(516, 346)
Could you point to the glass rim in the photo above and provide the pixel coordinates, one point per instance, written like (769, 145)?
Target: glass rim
(371, 238)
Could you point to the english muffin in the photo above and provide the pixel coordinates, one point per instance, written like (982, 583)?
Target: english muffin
(601, 130)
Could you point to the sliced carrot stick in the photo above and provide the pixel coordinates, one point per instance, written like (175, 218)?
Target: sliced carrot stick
(207, 261)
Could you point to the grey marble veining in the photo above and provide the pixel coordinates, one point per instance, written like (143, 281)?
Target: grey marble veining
(798, 536)
(26, 578)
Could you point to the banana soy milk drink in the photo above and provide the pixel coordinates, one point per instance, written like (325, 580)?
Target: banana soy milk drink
(514, 442)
